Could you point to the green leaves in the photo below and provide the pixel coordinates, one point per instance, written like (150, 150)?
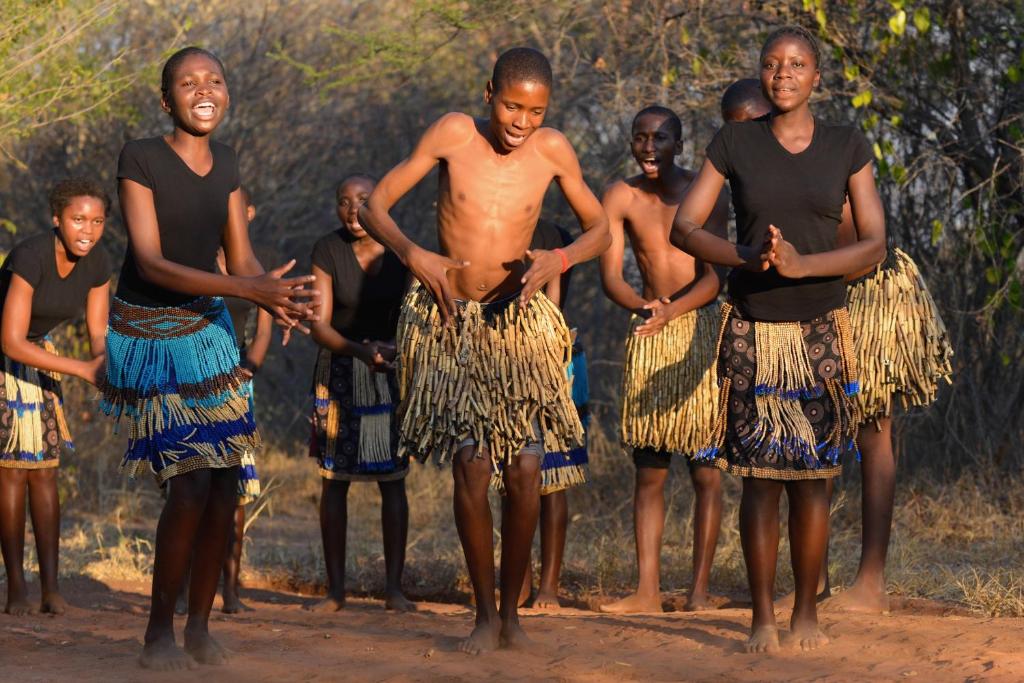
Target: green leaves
(922, 19)
(898, 23)
(861, 100)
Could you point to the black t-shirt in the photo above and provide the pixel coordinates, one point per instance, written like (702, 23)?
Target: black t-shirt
(549, 236)
(802, 195)
(241, 311)
(191, 212)
(54, 299)
(365, 306)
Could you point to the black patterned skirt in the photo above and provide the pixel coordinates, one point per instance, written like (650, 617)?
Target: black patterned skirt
(355, 433)
(785, 410)
(33, 432)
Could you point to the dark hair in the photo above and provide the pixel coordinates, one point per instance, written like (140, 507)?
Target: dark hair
(519, 65)
(673, 120)
(794, 31)
(175, 60)
(744, 93)
(66, 190)
(358, 175)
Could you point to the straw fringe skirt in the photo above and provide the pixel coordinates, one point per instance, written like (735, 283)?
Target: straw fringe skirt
(785, 410)
(496, 374)
(902, 346)
(33, 430)
(669, 384)
(173, 373)
(355, 433)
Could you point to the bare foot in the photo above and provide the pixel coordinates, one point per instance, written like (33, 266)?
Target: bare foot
(396, 600)
(514, 638)
(19, 607)
(233, 605)
(787, 601)
(634, 604)
(546, 600)
(484, 638)
(328, 604)
(696, 602)
(762, 640)
(204, 649)
(165, 655)
(859, 598)
(807, 637)
(53, 603)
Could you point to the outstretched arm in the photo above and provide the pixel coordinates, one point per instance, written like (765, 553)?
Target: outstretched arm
(546, 265)
(328, 337)
(448, 132)
(16, 346)
(869, 248)
(687, 228)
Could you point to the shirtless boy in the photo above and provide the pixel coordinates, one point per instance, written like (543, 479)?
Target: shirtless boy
(483, 354)
(669, 392)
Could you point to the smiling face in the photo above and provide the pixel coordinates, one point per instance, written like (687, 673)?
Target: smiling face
(80, 225)
(517, 111)
(789, 73)
(351, 195)
(197, 98)
(654, 144)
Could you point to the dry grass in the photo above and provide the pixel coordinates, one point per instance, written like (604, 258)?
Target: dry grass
(957, 538)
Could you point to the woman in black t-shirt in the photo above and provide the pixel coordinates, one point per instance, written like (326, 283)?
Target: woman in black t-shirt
(46, 280)
(173, 367)
(786, 362)
(355, 433)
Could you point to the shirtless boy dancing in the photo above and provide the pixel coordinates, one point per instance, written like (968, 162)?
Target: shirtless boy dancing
(482, 352)
(669, 393)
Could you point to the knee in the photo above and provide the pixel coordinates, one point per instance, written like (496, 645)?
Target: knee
(706, 480)
(650, 481)
(392, 490)
(523, 474)
(471, 469)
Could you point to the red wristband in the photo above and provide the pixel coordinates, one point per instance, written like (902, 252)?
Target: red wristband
(565, 259)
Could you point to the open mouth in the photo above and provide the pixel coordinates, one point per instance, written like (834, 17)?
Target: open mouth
(205, 110)
(514, 139)
(84, 244)
(649, 165)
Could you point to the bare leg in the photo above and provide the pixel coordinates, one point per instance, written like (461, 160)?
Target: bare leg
(394, 519)
(878, 470)
(473, 520)
(522, 488)
(44, 504)
(808, 538)
(527, 588)
(333, 529)
(824, 583)
(233, 564)
(207, 561)
(649, 525)
(759, 534)
(13, 482)
(554, 522)
(176, 533)
(707, 519)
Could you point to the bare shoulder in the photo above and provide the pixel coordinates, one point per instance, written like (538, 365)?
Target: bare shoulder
(452, 130)
(553, 145)
(618, 193)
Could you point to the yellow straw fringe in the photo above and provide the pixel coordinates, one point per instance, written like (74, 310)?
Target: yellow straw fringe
(495, 377)
(783, 365)
(901, 343)
(27, 430)
(669, 384)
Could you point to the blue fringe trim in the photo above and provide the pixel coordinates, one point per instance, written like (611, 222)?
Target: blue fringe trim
(26, 456)
(580, 381)
(707, 454)
(574, 458)
(852, 389)
(176, 439)
(806, 394)
(380, 409)
(385, 467)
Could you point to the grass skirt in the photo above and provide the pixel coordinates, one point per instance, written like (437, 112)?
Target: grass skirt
(355, 433)
(669, 384)
(497, 374)
(173, 373)
(785, 410)
(33, 430)
(901, 342)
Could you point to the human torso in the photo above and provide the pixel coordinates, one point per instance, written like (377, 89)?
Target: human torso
(800, 193)
(367, 292)
(487, 209)
(191, 211)
(55, 298)
(647, 218)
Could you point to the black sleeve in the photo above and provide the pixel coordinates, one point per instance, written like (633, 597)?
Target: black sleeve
(860, 151)
(133, 165)
(101, 268)
(28, 263)
(719, 150)
(325, 255)
(235, 180)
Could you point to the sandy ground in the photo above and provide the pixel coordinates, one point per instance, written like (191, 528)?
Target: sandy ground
(99, 639)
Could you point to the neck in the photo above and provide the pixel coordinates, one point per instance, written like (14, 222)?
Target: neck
(792, 120)
(184, 141)
(667, 180)
(64, 257)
